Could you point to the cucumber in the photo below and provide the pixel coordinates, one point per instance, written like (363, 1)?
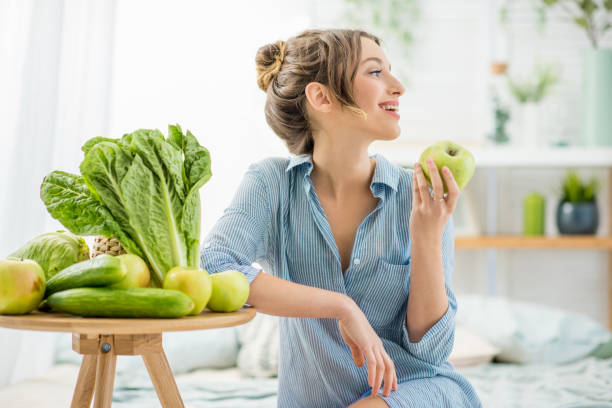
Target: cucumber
(119, 302)
(103, 270)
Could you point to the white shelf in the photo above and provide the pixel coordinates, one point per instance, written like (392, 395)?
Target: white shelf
(406, 154)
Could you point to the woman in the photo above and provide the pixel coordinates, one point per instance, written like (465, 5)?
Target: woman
(356, 253)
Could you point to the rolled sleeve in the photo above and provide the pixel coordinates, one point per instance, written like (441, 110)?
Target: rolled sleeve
(240, 236)
(437, 344)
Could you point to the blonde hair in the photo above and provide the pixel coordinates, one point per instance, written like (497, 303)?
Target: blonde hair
(330, 57)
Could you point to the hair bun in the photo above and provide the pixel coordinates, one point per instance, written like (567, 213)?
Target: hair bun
(268, 61)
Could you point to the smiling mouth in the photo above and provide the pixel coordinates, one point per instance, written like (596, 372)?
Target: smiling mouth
(392, 112)
(390, 108)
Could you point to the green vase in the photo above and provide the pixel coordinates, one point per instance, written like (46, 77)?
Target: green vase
(597, 93)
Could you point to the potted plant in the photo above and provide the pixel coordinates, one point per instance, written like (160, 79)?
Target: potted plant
(577, 210)
(595, 18)
(529, 93)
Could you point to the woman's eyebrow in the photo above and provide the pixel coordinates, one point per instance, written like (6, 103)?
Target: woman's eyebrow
(375, 59)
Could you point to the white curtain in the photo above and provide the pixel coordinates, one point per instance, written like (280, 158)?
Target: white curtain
(75, 69)
(55, 71)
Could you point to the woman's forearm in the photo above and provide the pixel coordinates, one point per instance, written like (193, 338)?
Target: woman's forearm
(278, 297)
(427, 301)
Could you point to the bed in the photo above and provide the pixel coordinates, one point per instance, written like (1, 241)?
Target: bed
(528, 356)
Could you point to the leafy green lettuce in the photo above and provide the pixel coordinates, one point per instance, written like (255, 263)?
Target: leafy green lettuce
(142, 189)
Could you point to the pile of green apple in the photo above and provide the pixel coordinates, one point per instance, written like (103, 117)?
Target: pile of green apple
(221, 292)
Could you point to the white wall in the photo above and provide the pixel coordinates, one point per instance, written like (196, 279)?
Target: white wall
(446, 99)
(570, 279)
(193, 63)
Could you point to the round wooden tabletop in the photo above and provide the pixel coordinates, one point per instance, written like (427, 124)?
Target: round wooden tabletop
(61, 322)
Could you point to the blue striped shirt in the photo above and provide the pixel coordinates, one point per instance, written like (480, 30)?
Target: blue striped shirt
(275, 219)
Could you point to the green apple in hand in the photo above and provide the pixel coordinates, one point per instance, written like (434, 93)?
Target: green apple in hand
(194, 282)
(230, 291)
(22, 285)
(457, 158)
(137, 272)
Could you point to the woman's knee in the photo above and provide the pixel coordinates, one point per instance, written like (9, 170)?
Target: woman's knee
(372, 401)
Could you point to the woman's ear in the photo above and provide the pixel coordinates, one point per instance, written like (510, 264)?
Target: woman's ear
(318, 97)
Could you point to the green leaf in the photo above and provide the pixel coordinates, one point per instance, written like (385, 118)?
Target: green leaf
(572, 187)
(94, 141)
(407, 37)
(588, 6)
(198, 172)
(154, 218)
(608, 5)
(550, 2)
(69, 201)
(197, 162)
(376, 18)
(175, 136)
(191, 226)
(103, 168)
(581, 21)
(163, 159)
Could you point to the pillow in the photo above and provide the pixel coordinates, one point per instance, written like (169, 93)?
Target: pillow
(470, 349)
(530, 333)
(185, 350)
(259, 346)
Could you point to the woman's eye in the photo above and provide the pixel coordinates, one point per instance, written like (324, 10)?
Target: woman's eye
(376, 72)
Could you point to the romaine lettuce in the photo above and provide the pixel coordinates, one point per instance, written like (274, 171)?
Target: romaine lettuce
(142, 189)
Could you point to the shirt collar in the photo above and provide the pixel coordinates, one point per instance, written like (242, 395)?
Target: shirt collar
(384, 173)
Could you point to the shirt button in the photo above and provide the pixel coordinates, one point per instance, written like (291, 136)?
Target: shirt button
(356, 261)
(206, 245)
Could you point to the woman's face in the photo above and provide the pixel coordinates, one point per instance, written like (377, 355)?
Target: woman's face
(373, 85)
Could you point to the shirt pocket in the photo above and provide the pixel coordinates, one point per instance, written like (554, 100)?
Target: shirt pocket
(382, 294)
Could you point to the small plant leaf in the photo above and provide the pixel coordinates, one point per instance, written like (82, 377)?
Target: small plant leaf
(581, 21)
(588, 6)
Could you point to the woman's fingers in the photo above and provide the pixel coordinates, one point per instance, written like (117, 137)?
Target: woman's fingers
(395, 382)
(436, 181)
(357, 356)
(453, 188)
(380, 372)
(372, 367)
(423, 190)
(416, 195)
(389, 375)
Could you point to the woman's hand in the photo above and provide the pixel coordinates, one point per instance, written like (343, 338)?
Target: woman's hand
(430, 214)
(365, 343)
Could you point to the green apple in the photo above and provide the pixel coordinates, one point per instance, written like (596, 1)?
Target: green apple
(137, 272)
(230, 291)
(194, 282)
(457, 158)
(22, 285)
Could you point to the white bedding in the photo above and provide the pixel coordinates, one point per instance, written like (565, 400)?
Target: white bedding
(584, 383)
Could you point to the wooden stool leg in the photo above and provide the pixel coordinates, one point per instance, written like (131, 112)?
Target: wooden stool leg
(83, 392)
(105, 372)
(163, 379)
